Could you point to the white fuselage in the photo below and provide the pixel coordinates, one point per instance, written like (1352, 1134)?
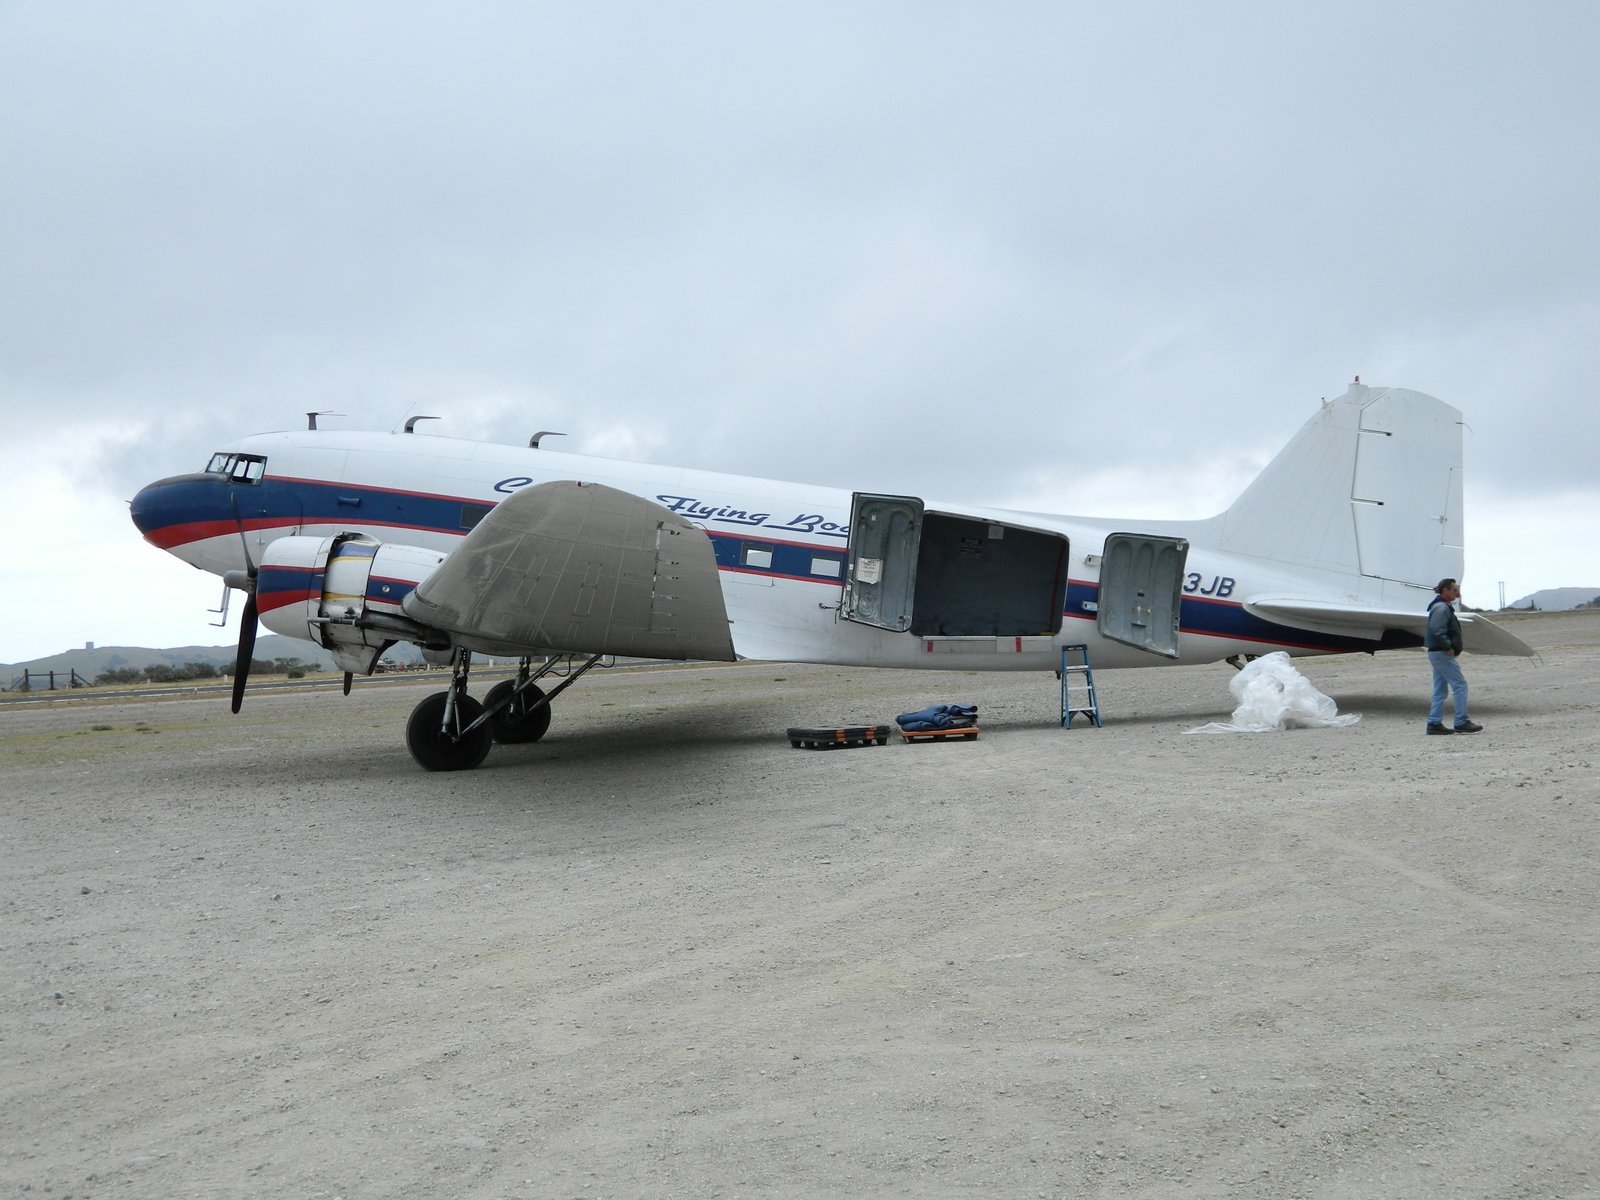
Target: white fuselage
(782, 548)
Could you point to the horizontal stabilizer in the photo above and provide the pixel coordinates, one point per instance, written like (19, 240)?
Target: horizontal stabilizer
(580, 568)
(1482, 636)
(1479, 635)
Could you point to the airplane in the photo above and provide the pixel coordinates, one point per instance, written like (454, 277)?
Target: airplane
(357, 541)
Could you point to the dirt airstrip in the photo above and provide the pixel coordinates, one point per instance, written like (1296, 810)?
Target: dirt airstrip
(662, 953)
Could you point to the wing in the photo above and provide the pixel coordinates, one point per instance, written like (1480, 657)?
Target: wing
(580, 568)
(1479, 635)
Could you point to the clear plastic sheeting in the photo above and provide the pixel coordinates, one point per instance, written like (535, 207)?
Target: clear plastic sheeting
(1272, 697)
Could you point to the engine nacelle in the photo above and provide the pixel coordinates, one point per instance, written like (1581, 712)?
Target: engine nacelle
(342, 592)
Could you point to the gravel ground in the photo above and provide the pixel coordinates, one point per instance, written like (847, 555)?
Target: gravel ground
(663, 953)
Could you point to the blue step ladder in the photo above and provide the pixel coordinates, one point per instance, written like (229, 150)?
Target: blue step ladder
(1069, 669)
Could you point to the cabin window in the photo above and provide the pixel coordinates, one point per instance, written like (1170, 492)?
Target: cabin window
(471, 514)
(240, 468)
(248, 468)
(827, 565)
(757, 556)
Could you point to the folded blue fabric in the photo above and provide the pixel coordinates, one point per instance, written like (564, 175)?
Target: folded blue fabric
(939, 716)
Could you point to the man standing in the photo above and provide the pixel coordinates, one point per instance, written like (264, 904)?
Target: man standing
(1443, 641)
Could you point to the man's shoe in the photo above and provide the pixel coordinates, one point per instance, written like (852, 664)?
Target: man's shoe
(1469, 727)
(1435, 727)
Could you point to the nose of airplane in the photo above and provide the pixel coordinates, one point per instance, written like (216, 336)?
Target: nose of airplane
(161, 509)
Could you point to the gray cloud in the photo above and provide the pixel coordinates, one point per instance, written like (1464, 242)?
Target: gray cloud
(896, 245)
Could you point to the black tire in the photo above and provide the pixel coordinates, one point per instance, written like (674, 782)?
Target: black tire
(436, 752)
(519, 721)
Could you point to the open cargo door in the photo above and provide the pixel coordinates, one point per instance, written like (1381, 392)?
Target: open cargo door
(949, 575)
(1141, 584)
(885, 533)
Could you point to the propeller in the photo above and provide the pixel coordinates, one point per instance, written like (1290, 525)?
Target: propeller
(245, 581)
(247, 647)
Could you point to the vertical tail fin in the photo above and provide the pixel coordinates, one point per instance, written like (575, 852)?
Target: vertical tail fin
(1371, 485)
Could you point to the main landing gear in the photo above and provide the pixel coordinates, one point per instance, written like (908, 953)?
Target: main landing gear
(450, 731)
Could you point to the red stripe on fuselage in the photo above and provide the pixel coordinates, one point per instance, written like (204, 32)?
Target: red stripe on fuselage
(273, 601)
(199, 531)
(170, 536)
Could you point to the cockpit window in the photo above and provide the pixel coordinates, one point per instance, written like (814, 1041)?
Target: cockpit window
(241, 468)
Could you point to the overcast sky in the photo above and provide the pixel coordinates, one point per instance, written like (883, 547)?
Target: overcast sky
(1079, 257)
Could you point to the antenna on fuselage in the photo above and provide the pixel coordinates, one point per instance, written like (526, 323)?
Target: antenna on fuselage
(411, 422)
(533, 442)
(311, 417)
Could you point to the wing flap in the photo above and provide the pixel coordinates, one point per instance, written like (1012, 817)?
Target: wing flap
(1479, 635)
(581, 568)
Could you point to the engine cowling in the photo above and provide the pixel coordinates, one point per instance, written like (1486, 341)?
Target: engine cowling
(342, 592)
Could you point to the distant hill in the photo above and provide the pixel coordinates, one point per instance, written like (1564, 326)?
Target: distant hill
(90, 663)
(1561, 599)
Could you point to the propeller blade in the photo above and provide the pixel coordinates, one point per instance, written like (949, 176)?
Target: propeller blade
(247, 649)
(244, 542)
(348, 676)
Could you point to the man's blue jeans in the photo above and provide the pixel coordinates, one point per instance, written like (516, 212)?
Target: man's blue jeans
(1447, 675)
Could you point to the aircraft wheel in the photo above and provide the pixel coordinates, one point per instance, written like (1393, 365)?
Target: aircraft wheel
(519, 721)
(436, 752)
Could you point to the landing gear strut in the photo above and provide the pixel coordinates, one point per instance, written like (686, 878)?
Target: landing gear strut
(450, 731)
